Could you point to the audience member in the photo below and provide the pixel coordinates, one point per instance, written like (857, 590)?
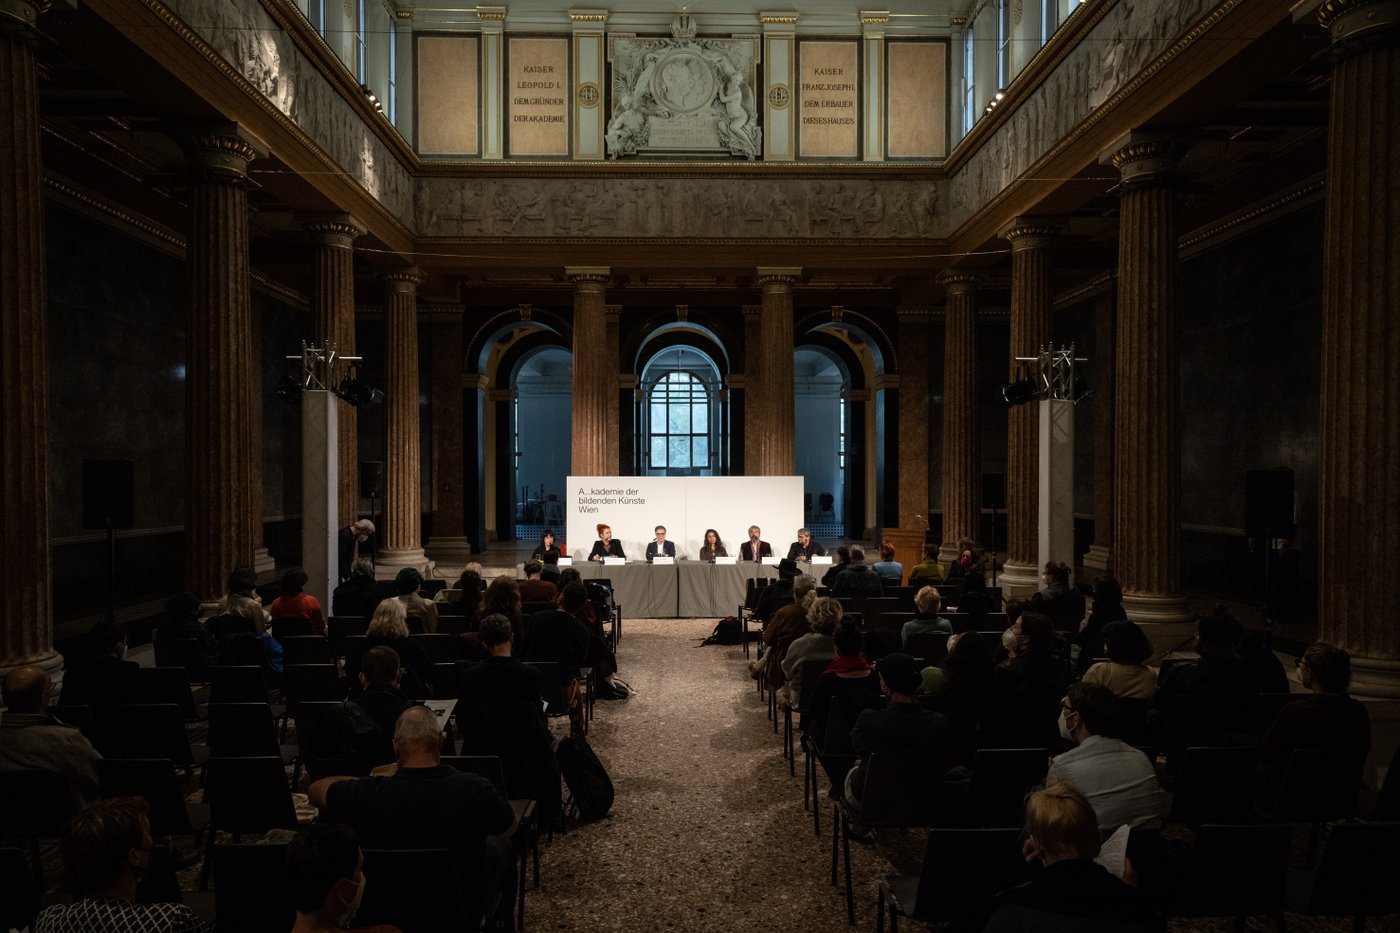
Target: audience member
(889, 570)
(1108, 607)
(106, 850)
(389, 627)
(500, 678)
(968, 560)
(843, 560)
(1062, 603)
(1117, 779)
(1327, 718)
(974, 602)
(33, 740)
(182, 621)
(381, 696)
(1028, 685)
(857, 579)
(353, 540)
(786, 625)
(1125, 672)
(361, 730)
(241, 626)
(533, 589)
(929, 571)
(325, 877)
(295, 603)
(102, 680)
(600, 650)
(1062, 833)
(846, 687)
(823, 615)
(903, 727)
(1200, 702)
(359, 594)
(926, 618)
(962, 691)
(560, 635)
(423, 611)
(426, 804)
(502, 597)
(777, 594)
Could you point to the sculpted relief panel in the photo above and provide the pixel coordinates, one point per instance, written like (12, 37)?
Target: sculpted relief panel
(720, 208)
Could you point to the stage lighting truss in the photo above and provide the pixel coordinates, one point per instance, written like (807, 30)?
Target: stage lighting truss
(323, 368)
(1053, 374)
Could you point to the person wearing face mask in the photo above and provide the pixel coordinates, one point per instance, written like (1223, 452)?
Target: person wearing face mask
(326, 879)
(107, 850)
(1117, 779)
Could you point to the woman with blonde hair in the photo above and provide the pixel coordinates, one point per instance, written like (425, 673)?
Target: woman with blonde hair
(823, 615)
(787, 625)
(389, 627)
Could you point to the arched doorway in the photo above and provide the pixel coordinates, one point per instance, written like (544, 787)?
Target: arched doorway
(541, 436)
(821, 432)
(682, 414)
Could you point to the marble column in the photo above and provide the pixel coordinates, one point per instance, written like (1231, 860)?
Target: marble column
(333, 324)
(1359, 494)
(26, 609)
(449, 545)
(751, 384)
(776, 402)
(218, 363)
(612, 319)
(402, 533)
(1099, 559)
(595, 379)
(1146, 443)
(263, 563)
(914, 324)
(962, 463)
(1030, 330)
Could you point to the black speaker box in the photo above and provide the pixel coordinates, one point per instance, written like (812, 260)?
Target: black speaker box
(109, 494)
(993, 490)
(371, 479)
(1268, 503)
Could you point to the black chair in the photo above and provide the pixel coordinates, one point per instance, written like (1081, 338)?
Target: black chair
(291, 626)
(1387, 805)
(811, 673)
(80, 718)
(431, 588)
(904, 595)
(242, 868)
(1319, 785)
(514, 734)
(167, 685)
(1355, 876)
(246, 796)
(1215, 785)
(447, 679)
(154, 780)
(552, 692)
(153, 730)
(315, 682)
(396, 896)
(245, 730)
(929, 647)
(35, 805)
(962, 871)
(1235, 871)
(875, 605)
(186, 653)
(19, 899)
(891, 621)
(340, 628)
(526, 839)
(306, 649)
(832, 749)
(898, 791)
(437, 646)
(237, 684)
(1001, 778)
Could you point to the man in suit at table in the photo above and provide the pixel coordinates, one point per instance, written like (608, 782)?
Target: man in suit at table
(755, 548)
(661, 547)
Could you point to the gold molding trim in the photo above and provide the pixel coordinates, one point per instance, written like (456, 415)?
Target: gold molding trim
(957, 20)
(277, 288)
(1319, 186)
(491, 14)
(778, 19)
(1084, 290)
(874, 17)
(106, 207)
(959, 283)
(403, 14)
(588, 16)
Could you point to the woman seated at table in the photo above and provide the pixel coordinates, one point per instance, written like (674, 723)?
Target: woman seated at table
(713, 546)
(605, 546)
(546, 552)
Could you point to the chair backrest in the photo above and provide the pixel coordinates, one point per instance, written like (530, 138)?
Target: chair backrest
(339, 630)
(962, 871)
(185, 653)
(167, 685)
(1235, 871)
(929, 647)
(150, 730)
(1388, 800)
(237, 684)
(1215, 785)
(513, 734)
(310, 682)
(890, 621)
(487, 766)
(998, 621)
(1318, 785)
(875, 605)
(900, 790)
(437, 646)
(1356, 872)
(242, 730)
(528, 609)
(151, 778)
(551, 687)
(248, 795)
(904, 595)
(416, 890)
(431, 588)
(1001, 778)
(291, 626)
(310, 713)
(34, 804)
(19, 902)
(80, 718)
(811, 673)
(447, 679)
(240, 869)
(306, 649)
(958, 620)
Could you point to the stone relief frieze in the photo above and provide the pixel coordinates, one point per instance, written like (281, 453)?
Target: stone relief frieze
(719, 208)
(250, 41)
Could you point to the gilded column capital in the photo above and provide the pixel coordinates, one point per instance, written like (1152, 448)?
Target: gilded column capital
(1349, 20)
(752, 312)
(222, 154)
(335, 230)
(588, 278)
(959, 283)
(403, 281)
(777, 279)
(1030, 232)
(1143, 159)
(614, 312)
(493, 15)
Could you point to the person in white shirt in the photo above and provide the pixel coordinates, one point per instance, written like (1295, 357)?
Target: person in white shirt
(1117, 779)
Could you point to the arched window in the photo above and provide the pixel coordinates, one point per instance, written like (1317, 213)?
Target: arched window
(678, 430)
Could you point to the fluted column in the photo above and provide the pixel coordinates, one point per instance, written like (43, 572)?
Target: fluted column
(914, 324)
(1360, 400)
(1099, 559)
(263, 563)
(1146, 448)
(26, 610)
(961, 456)
(333, 324)
(752, 387)
(1030, 330)
(218, 363)
(449, 544)
(612, 320)
(403, 503)
(595, 382)
(777, 449)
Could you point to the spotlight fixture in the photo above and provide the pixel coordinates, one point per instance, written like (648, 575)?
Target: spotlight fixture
(356, 393)
(1019, 392)
(289, 389)
(372, 98)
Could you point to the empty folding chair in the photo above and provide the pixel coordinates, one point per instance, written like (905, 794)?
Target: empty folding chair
(35, 806)
(246, 797)
(167, 685)
(1355, 876)
(1235, 871)
(306, 649)
(962, 871)
(153, 730)
(154, 780)
(437, 646)
(186, 653)
(1215, 785)
(245, 730)
(237, 684)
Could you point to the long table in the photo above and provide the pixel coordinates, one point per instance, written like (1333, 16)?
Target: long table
(687, 589)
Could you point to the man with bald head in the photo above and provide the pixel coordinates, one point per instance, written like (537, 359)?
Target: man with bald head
(33, 740)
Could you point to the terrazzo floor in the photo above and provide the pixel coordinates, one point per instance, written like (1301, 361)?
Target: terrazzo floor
(708, 831)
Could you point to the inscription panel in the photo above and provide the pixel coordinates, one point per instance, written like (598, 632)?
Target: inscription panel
(918, 100)
(448, 103)
(828, 99)
(538, 89)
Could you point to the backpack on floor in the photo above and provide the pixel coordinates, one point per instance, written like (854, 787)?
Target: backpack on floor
(590, 788)
(729, 631)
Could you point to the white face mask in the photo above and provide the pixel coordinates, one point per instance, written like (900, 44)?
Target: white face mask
(1008, 639)
(1064, 727)
(354, 904)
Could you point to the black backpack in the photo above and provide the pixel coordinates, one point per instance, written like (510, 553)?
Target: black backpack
(729, 631)
(590, 788)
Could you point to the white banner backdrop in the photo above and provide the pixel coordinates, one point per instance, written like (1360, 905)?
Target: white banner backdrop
(687, 505)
